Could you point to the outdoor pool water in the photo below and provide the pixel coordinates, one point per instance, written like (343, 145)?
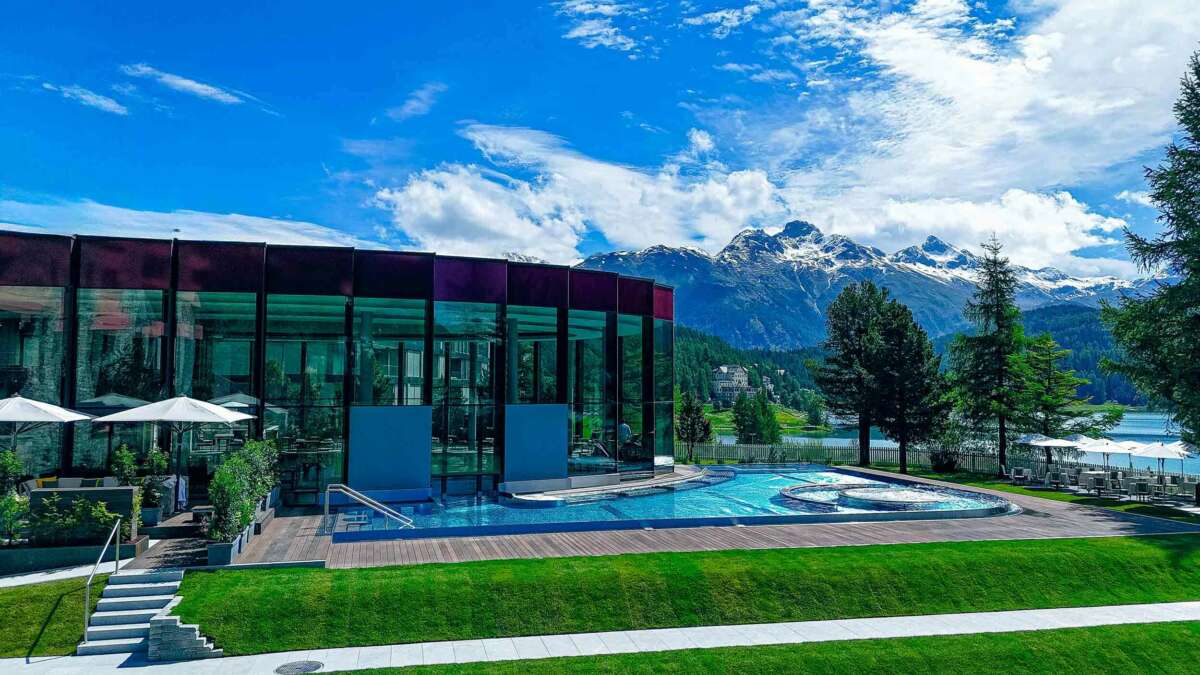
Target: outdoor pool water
(721, 496)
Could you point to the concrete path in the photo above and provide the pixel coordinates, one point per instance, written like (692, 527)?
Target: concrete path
(582, 644)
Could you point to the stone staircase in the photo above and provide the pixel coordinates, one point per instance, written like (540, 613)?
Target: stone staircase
(121, 622)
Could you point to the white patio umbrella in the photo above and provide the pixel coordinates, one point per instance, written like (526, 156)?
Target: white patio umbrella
(1047, 443)
(180, 413)
(26, 414)
(1164, 451)
(1106, 447)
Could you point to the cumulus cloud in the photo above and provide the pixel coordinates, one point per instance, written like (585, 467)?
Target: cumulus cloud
(182, 84)
(483, 211)
(419, 102)
(89, 217)
(87, 98)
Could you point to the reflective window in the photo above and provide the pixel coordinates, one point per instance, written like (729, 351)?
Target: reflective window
(532, 342)
(633, 438)
(120, 366)
(593, 446)
(389, 346)
(305, 370)
(466, 337)
(214, 346)
(664, 394)
(31, 364)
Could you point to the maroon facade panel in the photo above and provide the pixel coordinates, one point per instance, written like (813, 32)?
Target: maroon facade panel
(470, 280)
(220, 266)
(592, 290)
(392, 274)
(635, 296)
(124, 263)
(34, 260)
(537, 285)
(310, 270)
(664, 303)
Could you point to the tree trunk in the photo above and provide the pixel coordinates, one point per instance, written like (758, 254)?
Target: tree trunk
(1002, 455)
(1049, 459)
(864, 440)
(903, 452)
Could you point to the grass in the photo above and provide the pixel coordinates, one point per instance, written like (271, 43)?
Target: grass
(253, 611)
(1139, 508)
(1158, 648)
(791, 421)
(44, 619)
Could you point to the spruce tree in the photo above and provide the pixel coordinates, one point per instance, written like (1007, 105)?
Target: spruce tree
(745, 420)
(768, 426)
(847, 375)
(693, 426)
(1159, 334)
(912, 389)
(982, 361)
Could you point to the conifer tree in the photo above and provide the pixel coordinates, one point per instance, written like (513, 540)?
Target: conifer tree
(692, 427)
(912, 389)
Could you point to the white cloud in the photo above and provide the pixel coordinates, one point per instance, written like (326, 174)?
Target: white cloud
(928, 105)
(725, 21)
(1137, 198)
(419, 102)
(474, 210)
(89, 217)
(87, 97)
(594, 24)
(184, 85)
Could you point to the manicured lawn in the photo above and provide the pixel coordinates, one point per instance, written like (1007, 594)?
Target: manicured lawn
(252, 611)
(44, 619)
(1144, 509)
(1155, 648)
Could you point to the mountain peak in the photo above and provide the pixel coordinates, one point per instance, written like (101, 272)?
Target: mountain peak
(798, 229)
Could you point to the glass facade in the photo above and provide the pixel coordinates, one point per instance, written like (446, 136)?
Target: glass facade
(282, 335)
(31, 364)
(304, 387)
(466, 337)
(120, 352)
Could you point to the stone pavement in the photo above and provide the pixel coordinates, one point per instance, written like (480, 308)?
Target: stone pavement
(581, 644)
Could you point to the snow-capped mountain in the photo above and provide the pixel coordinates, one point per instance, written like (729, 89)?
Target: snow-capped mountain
(771, 290)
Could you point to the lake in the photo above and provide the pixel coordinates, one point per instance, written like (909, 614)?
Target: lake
(1143, 427)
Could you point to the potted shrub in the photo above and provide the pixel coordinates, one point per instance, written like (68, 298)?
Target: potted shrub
(233, 502)
(152, 486)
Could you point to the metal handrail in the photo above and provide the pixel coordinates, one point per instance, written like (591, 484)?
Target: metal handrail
(404, 521)
(87, 589)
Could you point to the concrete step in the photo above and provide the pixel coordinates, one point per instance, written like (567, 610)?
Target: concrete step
(116, 646)
(141, 590)
(125, 630)
(123, 617)
(144, 577)
(141, 602)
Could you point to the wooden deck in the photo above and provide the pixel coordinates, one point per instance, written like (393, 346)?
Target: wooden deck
(293, 537)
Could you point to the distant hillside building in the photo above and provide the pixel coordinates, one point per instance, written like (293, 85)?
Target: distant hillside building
(730, 381)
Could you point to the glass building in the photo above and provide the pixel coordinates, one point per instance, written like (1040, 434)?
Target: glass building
(405, 375)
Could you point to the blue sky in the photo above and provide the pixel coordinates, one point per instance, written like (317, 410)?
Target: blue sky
(564, 128)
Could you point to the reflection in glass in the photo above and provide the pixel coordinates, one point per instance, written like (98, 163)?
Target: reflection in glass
(633, 438)
(592, 424)
(466, 336)
(664, 394)
(532, 363)
(389, 346)
(31, 364)
(120, 366)
(304, 372)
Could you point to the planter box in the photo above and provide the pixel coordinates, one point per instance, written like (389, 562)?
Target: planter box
(151, 515)
(19, 559)
(263, 520)
(224, 553)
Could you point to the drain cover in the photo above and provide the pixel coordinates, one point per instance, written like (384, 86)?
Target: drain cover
(299, 667)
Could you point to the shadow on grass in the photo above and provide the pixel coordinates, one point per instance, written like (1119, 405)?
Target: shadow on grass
(33, 644)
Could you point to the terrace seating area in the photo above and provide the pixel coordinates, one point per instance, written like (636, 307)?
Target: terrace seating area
(1119, 484)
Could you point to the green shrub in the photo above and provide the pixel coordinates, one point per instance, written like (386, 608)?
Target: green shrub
(11, 471)
(80, 522)
(123, 465)
(229, 491)
(263, 458)
(152, 485)
(14, 511)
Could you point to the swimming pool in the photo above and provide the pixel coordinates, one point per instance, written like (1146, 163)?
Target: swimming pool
(724, 495)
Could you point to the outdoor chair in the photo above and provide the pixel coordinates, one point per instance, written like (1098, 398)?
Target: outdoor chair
(1055, 478)
(1096, 484)
(1141, 490)
(1020, 476)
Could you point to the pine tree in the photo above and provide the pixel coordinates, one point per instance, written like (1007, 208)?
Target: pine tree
(768, 426)
(982, 361)
(745, 420)
(912, 389)
(692, 426)
(847, 376)
(1159, 335)
(1049, 398)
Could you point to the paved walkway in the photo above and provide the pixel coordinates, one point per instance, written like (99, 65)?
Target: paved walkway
(667, 639)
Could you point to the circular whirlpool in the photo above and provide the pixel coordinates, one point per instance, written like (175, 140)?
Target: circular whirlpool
(908, 499)
(881, 497)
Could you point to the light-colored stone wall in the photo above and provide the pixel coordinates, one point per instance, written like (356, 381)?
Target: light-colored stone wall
(172, 640)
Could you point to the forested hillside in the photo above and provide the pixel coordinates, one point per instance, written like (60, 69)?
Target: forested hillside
(696, 354)
(1078, 328)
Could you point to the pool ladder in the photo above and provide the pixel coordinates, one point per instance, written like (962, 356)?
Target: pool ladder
(403, 521)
